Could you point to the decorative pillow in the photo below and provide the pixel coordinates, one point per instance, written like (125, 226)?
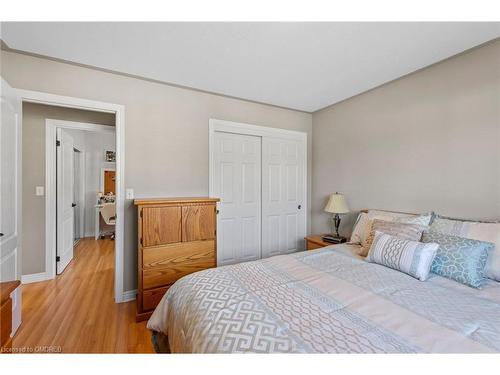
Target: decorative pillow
(358, 232)
(424, 219)
(411, 257)
(460, 259)
(411, 232)
(362, 226)
(481, 231)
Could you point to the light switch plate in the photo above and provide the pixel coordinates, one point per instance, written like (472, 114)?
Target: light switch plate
(39, 190)
(129, 193)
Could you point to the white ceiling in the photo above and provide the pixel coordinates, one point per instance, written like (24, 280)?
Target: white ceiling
(304, 66)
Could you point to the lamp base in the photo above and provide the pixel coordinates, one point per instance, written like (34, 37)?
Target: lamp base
(333, 239)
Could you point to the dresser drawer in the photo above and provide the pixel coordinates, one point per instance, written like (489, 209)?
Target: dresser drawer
(151, 298)
(161, 225)
(163, 265)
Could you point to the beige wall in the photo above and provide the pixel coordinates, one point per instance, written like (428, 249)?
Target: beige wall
(34, 115)
(166, 134)
(428, 141)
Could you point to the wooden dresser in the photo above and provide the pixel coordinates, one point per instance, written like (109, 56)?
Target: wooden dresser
(177, 236)
(6, 289)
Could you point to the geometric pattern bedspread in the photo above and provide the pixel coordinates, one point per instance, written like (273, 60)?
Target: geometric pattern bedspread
(325, 301)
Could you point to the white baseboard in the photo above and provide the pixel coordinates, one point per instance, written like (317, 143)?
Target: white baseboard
(129, 295)
(35, 278)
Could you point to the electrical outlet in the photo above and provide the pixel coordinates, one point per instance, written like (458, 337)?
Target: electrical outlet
(129, 193)
(39, 191)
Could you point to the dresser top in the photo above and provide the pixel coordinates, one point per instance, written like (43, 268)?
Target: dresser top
(176, 200)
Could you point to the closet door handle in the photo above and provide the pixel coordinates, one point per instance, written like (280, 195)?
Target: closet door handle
(73, 204)
(299, 206)
(1, 234)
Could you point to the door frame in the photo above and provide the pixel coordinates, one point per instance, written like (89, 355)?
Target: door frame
(82, 190)
(51, 127)
(119, 110)
(215, 125)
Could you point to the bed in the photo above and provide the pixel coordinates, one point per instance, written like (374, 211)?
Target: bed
(324, 301)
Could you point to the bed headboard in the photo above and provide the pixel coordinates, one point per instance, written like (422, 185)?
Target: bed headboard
(365, 210)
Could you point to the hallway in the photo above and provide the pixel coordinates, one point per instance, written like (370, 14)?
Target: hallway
(76, 312)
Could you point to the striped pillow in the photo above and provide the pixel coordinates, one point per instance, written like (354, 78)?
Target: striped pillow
(405, 231)
(411, 257)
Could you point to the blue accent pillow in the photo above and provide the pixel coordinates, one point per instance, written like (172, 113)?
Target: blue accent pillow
(460, 259)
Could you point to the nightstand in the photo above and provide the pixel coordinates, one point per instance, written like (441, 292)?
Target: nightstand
(315, 242)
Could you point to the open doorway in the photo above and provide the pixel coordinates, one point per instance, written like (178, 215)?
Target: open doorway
(85, 193)
(82, 218)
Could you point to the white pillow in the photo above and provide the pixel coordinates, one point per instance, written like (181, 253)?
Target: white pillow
(424, 219)
(488, 232)
(362, 227)
(411, 257)
(358, 232)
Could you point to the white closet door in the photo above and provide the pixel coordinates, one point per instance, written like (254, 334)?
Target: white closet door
(283, 196)
(237, 182)
(65, 204)
(10, 184)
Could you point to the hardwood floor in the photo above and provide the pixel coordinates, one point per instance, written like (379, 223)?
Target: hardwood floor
(76, 311)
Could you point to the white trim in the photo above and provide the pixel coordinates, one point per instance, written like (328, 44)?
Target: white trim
(83, 182)
(67, 101)
(129, 295)
(81, 126)
(35, 277)
(119, 111)
(50, 200)
(215, 125)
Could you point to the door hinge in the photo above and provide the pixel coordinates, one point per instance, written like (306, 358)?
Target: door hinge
(58, 143)
(140, 241)
(141, 214)
(58, 258)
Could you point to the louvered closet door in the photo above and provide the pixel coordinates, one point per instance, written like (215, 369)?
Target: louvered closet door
(283, 196)
(237, 182)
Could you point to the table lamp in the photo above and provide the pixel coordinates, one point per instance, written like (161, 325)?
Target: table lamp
(336, 205)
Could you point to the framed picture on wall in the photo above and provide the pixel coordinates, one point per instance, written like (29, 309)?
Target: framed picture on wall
(110, 156)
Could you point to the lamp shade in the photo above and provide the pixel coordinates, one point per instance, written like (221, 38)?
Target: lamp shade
(337, 204)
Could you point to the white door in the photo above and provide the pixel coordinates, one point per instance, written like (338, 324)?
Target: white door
(283, 196)
(10, 184)
(65, 204)
(237, 182)
(10, 195)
